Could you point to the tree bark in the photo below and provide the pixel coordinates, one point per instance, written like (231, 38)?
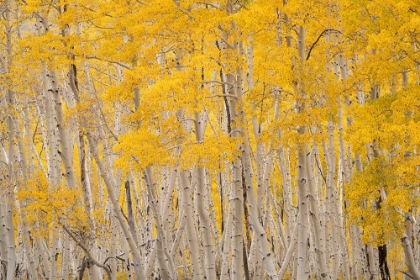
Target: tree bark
(191, 231)
(303, 228)
(316, 221)
(117, 209)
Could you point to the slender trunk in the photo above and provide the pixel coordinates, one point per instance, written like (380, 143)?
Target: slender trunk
(191, 232)
(289, 252)
(151, 261)
(237, 239)
(10, 185)
(331, 203)
(289, 209)
(316, 221)
(25, 226)
(54, 165)
(117, 209)
(255, 221)
(10, 196)
(237, 191)
(372, 259)
(227, 236)
(65, 257)
(179, 234)
(285, 240)
(209, 195)
(161, 240)
(303, 227)
(205, 224)
(65, 153)
(200, 203)
(130, 213)
(87, 202)
(408, 251)
(346, 177)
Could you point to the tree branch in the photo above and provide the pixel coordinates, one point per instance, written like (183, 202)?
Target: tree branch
(319, 37)
(80, 244)
(110, 61)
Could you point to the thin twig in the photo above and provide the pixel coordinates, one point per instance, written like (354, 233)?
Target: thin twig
(319, 37)
(80, 244)
(110, 61)
(106, 124)
(224, 95)
(405, 273)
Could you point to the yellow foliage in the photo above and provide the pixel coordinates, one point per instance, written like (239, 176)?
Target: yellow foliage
(44, 204)
(382, 218)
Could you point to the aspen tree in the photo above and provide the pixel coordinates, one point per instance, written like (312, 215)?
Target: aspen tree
(87, 199)
(259, 230)
(54, 164)
(212, 210)
(105, 175)
(25, 227)
(316, 219)
(289, 251)
(331, 200)
(190, 225)
(11, 154)
(408, 252)
(226, 239)
(287, 196)
(303, 230)
(200, 127)
(162, 248)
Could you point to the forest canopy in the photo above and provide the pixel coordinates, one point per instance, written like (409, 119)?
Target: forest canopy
(179, 139)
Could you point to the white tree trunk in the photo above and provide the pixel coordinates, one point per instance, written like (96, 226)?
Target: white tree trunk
(66, 153)
(87, 202)
(10, 189)
(227, 237)
(373, 261)
(117, 209)
(289, 209)
(316, 221)
(303, 227)
(10, 185)
(25, 226)
(255, 221)
(408, 251)
(191, 231)
(161, 240)
(200, 203)
(331, 203)
(346, 178)
(289, 252)
(237, 230)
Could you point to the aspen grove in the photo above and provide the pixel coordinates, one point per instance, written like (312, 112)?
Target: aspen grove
(215, 139)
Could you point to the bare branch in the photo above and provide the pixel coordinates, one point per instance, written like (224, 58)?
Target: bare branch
(83, 247)
(110, 61)
(319, 37)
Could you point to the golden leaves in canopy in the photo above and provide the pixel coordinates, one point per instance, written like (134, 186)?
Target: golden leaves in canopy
(214, 153)
(41, 203)
(382, 219)
(140, 149)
